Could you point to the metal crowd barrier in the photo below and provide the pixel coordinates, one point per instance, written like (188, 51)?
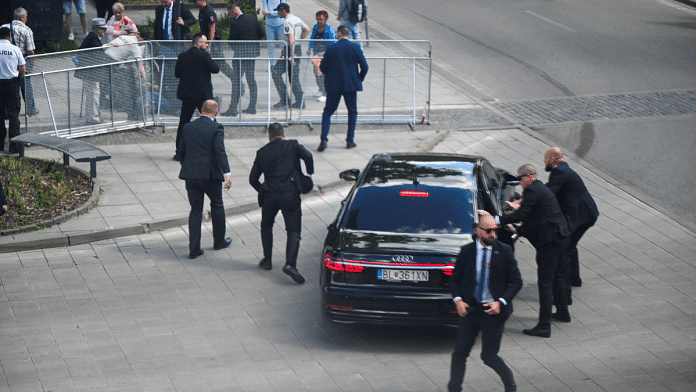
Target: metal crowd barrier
(396, 89)
(65, 84)
(137, 86)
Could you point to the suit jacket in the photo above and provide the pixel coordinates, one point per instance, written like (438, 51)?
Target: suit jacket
(340, 65)
(178, 31)
(504, 278)
(278, 161)
(193, 69)
(575, 201)
(542, 220)
(246, 28)
(202, 151)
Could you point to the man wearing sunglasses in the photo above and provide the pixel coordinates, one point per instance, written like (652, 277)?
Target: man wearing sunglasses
(546, 228)
(484, 282)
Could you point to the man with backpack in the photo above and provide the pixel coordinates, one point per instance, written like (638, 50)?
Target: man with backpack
(351, 13)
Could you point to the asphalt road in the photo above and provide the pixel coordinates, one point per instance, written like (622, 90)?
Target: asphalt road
(518, 51)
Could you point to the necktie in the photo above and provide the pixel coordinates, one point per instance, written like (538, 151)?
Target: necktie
(166, 23)
(482, 279)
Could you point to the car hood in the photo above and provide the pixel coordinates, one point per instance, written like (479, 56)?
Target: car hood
(361, 241)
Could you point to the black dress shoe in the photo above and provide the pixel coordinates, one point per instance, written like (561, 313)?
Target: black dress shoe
(563, 317)
(576, 282)
(539, 332)
(294, 273)
(280, 105)
(351, 145)
(266, 264)
(225, 243)
(193, 255)
(249, 111)
(298, 105)
(322, 146)
(230, 113)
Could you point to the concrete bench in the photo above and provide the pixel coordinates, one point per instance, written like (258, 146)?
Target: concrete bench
(78, 150)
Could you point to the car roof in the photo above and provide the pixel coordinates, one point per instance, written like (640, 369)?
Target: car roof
(435, 168)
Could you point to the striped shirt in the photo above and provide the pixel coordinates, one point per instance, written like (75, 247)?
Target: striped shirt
(21, 36)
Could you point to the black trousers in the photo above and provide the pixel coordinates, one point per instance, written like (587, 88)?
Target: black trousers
(12, 102)
(244, 68)
(289, 204)
(571, 256)
(550, 280)
(196, 189)
(188, 106)
(491, 328)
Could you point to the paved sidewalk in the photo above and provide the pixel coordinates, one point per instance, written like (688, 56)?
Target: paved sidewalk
(134, 313)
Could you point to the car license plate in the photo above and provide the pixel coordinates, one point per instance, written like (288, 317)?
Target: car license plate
(410, 275)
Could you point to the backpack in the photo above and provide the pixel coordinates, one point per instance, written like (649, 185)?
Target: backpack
(357, 11)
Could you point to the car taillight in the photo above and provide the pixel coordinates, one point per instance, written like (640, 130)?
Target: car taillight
(340, 265)
(449, 268)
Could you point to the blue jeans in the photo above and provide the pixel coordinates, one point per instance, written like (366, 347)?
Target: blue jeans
(273, 33)
(354, 31)
(332, 100)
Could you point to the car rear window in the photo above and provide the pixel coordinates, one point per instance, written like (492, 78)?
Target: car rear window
(414, 197)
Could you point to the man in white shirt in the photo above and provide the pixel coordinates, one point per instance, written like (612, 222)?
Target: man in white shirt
(22, 37)
(293, 28)
(12, 70)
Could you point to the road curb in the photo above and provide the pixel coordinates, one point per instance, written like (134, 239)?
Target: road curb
(142, 228)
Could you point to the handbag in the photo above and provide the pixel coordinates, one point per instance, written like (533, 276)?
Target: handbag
(305, 183)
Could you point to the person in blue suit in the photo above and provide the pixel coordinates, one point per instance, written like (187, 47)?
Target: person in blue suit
(342, 79)
(484, 282)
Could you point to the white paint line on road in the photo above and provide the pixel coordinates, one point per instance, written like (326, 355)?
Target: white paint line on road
(680, 7)
(550, 21)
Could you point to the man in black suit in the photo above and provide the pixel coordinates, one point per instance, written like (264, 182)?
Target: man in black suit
(577, 205)
(244, 28)
(546, 228)
(204, 166)
(279, 163)
(193, 69)
(484, 282)
(172, 20)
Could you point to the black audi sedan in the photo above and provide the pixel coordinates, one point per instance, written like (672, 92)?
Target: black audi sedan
(389, 255)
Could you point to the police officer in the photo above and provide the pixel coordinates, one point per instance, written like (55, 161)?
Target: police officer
(12, 70)
(207, 19)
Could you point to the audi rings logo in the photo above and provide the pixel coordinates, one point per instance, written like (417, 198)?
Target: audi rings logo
(402, 258)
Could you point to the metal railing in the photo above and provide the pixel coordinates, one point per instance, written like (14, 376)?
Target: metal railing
(137, 87)
(91, 91)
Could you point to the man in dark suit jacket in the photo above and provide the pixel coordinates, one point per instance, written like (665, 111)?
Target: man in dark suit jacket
(546, 228)
(204, 166)
(340, 65)
(178, 19)
(484, 282)
(244, 28)
(193, 69)
(279, 163)
(577, 204)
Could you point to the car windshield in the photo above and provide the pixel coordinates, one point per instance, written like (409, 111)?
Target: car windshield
(407, 196)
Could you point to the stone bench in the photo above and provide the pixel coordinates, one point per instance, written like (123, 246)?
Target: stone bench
(78, 150)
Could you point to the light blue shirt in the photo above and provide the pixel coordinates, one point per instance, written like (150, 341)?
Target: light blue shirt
(481, 263)
(273, 19)
(167, 21)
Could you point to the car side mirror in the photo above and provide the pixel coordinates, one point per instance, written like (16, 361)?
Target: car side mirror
(349, 175)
